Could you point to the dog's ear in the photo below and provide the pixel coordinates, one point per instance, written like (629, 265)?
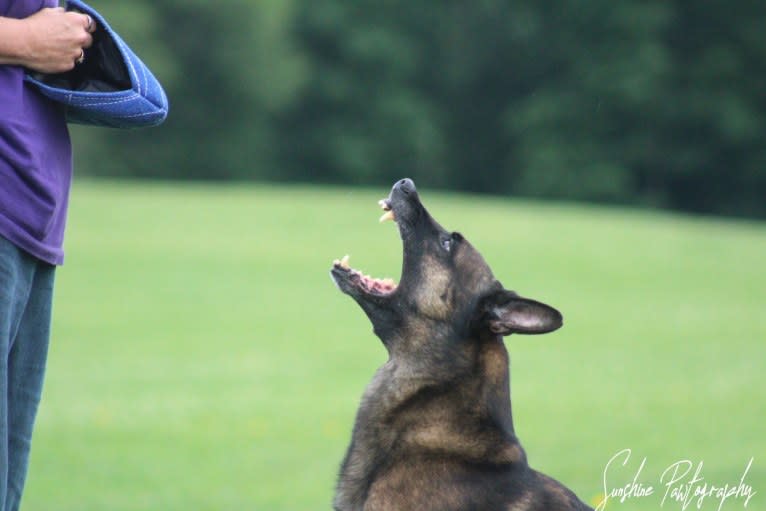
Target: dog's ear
(504, 312)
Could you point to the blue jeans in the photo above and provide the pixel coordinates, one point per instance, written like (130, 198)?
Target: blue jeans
(26, 291)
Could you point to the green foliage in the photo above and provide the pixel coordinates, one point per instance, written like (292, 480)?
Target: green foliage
(655, 102)
(202, 359)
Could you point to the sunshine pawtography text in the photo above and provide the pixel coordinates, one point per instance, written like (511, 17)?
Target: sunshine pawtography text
(679, 485)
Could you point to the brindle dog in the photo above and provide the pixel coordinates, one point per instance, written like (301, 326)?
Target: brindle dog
(434, 428)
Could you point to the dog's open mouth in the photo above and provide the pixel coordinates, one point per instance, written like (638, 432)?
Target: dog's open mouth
(342, 273)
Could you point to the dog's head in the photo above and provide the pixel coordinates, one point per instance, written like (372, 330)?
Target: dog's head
(447, 292)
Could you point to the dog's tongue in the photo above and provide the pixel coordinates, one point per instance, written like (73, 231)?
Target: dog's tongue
(370, 284)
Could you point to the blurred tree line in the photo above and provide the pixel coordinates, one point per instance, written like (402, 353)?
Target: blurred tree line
(649, 102)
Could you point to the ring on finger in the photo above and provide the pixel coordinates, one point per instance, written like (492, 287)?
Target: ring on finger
(81, 58)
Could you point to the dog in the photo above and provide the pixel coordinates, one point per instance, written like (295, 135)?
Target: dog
(434, 429)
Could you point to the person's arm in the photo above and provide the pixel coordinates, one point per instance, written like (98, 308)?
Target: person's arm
(48, 41)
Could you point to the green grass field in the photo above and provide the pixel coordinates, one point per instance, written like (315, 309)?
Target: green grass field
(203, 360)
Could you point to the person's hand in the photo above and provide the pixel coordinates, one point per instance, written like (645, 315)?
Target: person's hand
(54, 39)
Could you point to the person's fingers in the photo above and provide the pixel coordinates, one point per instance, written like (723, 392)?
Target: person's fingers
(87, 41)
(90, 24)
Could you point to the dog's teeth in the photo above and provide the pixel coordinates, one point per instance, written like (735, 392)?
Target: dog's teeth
(344, 262)
(383, 204)
(388, 215)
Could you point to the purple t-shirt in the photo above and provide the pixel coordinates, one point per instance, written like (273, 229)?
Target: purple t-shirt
(35, 158)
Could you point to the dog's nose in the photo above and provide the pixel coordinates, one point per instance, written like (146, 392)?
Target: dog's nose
(406, 186)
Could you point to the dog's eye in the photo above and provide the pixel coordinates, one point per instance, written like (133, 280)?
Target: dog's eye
(448, 242)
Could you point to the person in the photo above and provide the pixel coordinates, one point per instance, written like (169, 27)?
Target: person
(35, 176)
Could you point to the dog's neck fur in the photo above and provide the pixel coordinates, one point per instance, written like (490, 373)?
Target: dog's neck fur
(404, 409)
